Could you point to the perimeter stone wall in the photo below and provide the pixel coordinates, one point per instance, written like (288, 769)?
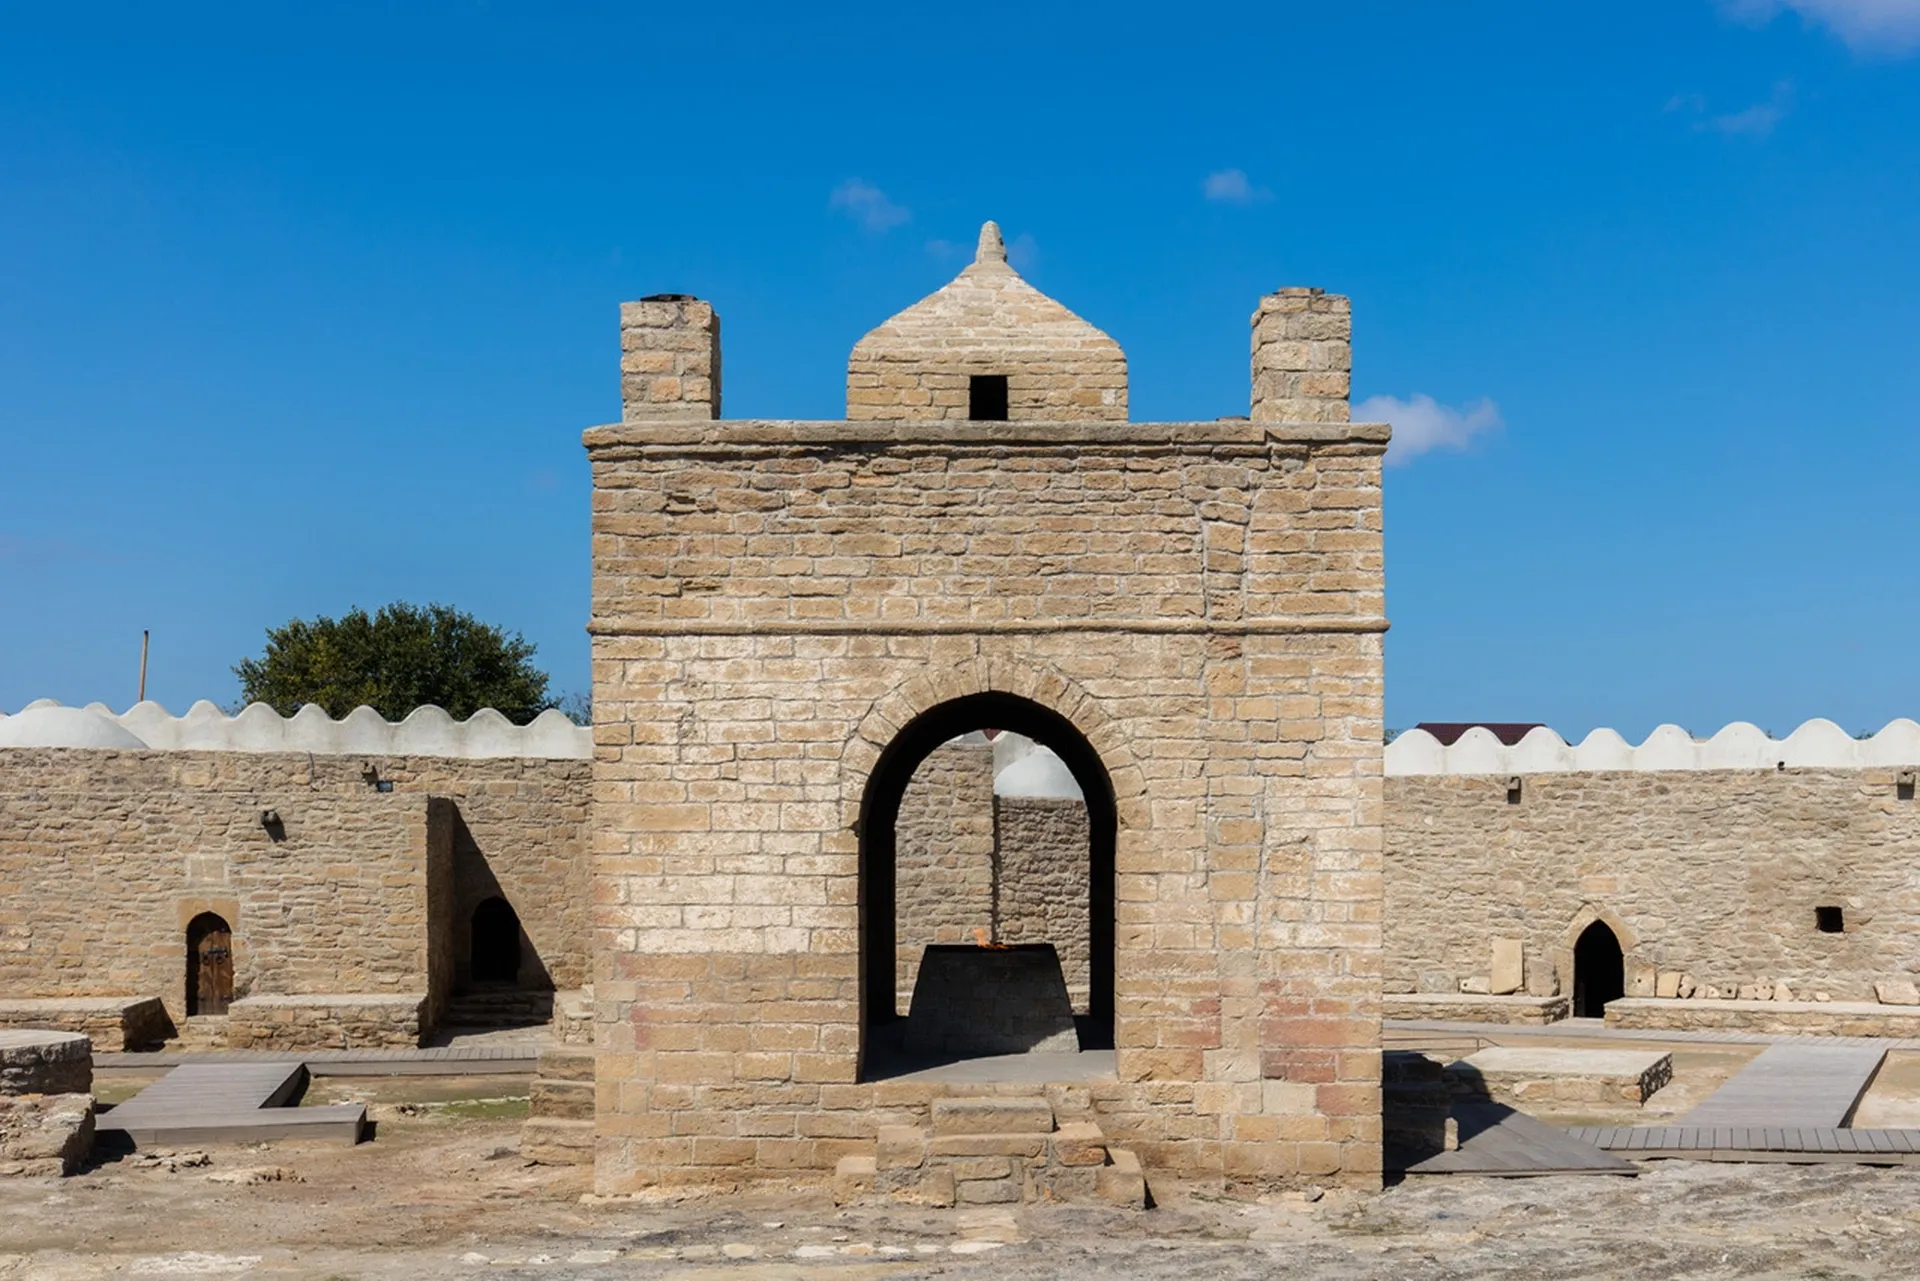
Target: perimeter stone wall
(105, 855)
(1710, 879)
(773, 602)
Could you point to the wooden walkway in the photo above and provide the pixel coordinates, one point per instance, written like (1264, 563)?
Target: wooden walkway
(229, 1103)
(1792, 1085)
(1802, 1144)
(1497, 1140)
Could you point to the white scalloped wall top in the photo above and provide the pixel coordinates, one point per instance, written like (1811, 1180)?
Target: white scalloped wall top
(427, 731)
(1818, 744)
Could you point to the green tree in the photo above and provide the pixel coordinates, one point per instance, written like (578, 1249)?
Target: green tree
(401, 658)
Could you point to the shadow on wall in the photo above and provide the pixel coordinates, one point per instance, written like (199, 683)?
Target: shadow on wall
(490, 946)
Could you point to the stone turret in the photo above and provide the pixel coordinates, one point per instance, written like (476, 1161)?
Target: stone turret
(987, 346)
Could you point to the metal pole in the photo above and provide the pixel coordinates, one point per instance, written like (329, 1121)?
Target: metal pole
(144, 634)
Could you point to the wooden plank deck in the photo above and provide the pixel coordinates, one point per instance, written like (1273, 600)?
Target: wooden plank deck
(229, 1103)
(1798, 1144)
(1497, 1140)
(1792, 1085)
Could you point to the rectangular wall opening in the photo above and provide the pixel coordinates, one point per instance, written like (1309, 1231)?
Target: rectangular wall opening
(987, 398)
(1829, 920)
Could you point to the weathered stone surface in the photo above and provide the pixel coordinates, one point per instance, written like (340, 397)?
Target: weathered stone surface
(1507, 974)
(1122, 1182)
(45, 1134)
(41, 1062)
(557, 1141)
(987, 320)
(1708, 873)
(326, 1021)
(991, 1116)
(110, 1023)
(1521, 1076)
(1827, 1018)
(853, 1178)
(1896, 992)
(1468, 1008)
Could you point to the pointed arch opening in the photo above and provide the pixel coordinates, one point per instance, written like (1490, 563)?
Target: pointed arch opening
(1001, 991)
(1599, 971)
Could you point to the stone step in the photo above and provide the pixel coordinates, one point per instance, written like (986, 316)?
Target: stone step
(992, 1116)
(551, 1141)
(562, 1100)
(1121, 1182)
(566, 1063)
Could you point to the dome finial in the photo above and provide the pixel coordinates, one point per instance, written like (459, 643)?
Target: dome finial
(992, 248)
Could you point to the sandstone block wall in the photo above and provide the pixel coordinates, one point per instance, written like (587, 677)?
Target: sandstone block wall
(105, 856)
(944, 848)
(1711, 874)
(989, 321)
(774, 601)
(1041, 897)
(1302, 357)
(669, 358)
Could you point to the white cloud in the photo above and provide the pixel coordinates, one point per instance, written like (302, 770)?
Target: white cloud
(867, 205)
(1232, 187)
(1756, 121)
(1887, 28)
(1421, 424)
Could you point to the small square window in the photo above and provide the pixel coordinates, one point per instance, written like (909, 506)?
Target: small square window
(987, 398)
(1829, 920)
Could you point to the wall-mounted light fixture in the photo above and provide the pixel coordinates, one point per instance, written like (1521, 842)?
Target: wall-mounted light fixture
(1903, 784)
(1513, 790)
(276, 829)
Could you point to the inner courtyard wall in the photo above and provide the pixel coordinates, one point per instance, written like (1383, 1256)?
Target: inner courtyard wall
(774, 601)
(944, 852)
(1710, 877)
(106, 854)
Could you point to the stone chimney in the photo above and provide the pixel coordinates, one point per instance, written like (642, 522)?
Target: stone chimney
(669, 358)
(1302, 357)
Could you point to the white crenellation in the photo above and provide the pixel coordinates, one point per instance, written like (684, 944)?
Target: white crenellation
(1817, 744)
(426, 731)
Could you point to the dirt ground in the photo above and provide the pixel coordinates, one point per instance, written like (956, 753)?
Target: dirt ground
(441, 1192)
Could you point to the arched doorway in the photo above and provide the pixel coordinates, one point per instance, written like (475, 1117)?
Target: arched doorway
(209, 965)
(494, 955)
(1599, 971)
(880, 810)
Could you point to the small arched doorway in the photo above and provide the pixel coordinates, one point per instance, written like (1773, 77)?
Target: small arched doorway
(494, 955)
(209, 965)
(1599, 971)
(880, 812)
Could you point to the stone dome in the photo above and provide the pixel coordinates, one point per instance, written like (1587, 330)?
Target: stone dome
(42, 726)
(987, 346)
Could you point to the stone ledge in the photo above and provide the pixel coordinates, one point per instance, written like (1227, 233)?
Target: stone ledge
(37, 1062)
(111, 1023)
(733, 435)
(326, 1021)
(1466, 1007)
(1817, 1018)
(1523, 1075)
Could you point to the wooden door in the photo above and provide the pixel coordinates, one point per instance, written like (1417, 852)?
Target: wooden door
(209, 965)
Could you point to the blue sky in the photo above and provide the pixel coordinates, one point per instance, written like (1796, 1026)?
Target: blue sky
(306, 306)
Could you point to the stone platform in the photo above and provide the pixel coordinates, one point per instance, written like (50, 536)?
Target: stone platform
(1464, 1007)
(46, 1104)
(111, 1023)
(971, 1000)
(336, 1021)
(1520, 1076)
(1820, 1018)
(40, 1062)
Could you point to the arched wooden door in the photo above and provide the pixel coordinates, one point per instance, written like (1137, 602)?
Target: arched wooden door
(209, 965)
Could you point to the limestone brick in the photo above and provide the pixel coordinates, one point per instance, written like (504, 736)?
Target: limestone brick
(1710, 876)
(669, 358)
(1302, 357)
(987, 321)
